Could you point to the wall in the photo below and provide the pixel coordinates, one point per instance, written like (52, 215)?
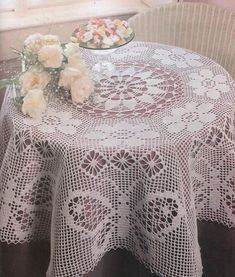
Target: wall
(228, 4)
(14, 28)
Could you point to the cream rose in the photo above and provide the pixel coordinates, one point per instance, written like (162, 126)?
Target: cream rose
(68, 76)
(34, 103)
(72, 49)
(81, 89)
(34, 43)
(33, 80)
(78, 81)
(51, 56)
(72, 52)
(76, 62)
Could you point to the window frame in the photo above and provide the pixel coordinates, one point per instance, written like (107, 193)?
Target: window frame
(27, 5)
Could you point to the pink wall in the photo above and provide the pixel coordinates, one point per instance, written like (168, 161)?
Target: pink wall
(228, 4)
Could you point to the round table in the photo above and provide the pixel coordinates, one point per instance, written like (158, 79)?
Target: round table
(134, 167)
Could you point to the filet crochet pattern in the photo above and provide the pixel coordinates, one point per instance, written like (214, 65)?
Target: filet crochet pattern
(134, 167)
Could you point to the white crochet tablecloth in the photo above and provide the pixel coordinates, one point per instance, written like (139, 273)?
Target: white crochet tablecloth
(152, 151)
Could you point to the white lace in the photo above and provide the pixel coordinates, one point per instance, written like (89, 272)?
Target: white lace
(134, 167)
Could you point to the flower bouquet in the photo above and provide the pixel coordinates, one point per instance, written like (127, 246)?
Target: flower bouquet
(49, 70)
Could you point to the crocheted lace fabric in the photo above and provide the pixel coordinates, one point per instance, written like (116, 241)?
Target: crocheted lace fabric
(134, 167)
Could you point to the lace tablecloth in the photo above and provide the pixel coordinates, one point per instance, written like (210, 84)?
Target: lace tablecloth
(152, 151)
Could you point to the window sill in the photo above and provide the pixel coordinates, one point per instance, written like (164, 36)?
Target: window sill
(72, 12)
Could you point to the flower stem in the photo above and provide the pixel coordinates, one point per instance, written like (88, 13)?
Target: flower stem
(5, 82)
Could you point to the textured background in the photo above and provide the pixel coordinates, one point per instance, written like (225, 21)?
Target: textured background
(228, 4)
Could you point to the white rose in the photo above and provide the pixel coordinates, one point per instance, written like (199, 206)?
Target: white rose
(33, 80)
(34, 43)
(81, 89)
(34, 103)
(51, 56)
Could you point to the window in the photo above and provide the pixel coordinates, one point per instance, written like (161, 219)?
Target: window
(23, 14)
(6, 5)
(20, 5)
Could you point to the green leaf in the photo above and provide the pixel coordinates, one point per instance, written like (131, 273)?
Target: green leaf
(16, 51)
(5, 82)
